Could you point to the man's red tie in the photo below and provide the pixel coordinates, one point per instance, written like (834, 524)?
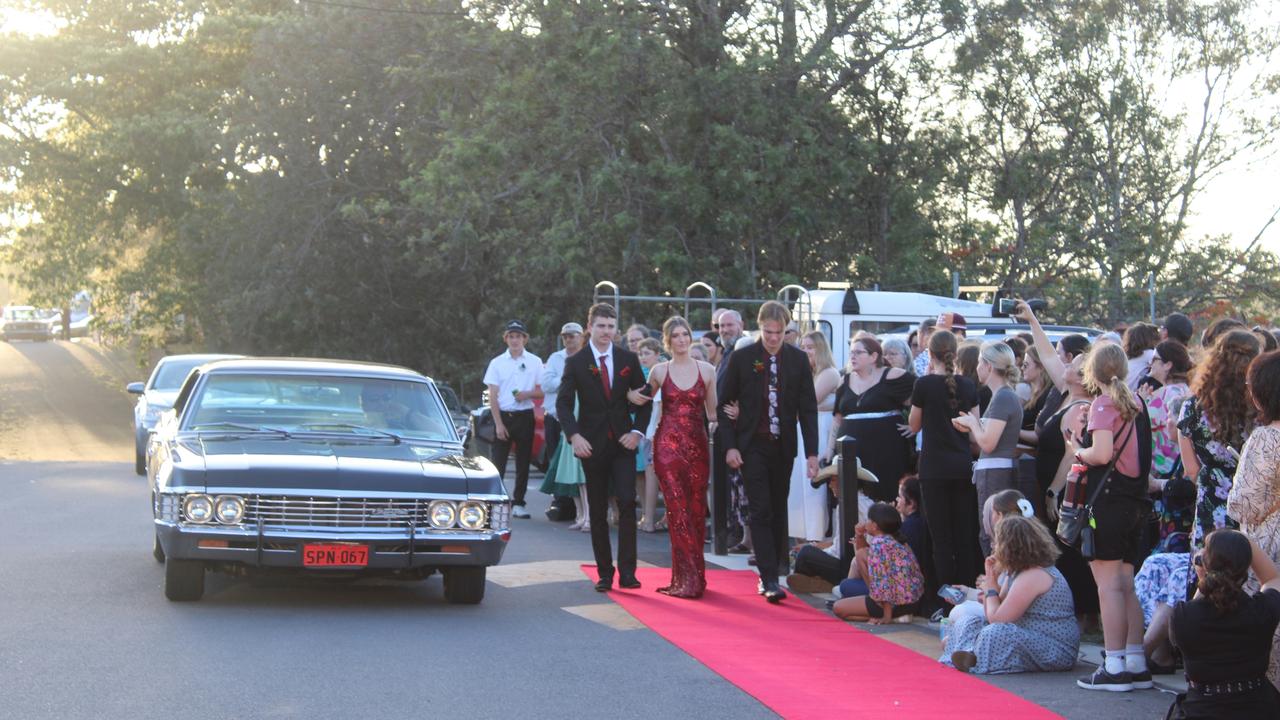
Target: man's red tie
(604, 377)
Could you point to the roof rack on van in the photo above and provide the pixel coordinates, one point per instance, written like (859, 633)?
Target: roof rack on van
(787, 295)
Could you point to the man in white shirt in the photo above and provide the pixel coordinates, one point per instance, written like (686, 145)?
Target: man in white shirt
(562, 508)
(513, 379)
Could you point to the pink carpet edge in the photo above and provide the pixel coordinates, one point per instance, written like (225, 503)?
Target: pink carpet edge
(839, 669)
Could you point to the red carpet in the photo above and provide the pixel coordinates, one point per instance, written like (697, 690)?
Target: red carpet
(802, 662)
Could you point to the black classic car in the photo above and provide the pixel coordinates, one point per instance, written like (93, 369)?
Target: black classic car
(318, 466)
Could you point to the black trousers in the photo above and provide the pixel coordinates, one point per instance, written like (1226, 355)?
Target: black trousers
(616, 466)
(766, 476)
(817, 563)
(950, 511)
(519, 426)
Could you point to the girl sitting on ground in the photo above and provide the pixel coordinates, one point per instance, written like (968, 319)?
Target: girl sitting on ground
(1003, 504)
(885, 563)
(1029, 621)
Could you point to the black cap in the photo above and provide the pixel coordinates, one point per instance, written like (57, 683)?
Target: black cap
(515, 326)
(1179, 327)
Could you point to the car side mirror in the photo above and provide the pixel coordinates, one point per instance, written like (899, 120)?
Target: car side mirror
(135, 388)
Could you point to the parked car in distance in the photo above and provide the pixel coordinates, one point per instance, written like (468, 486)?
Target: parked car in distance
(156, 395)
(323, 467)
(480, 428)
(460, 413)
(23, 322)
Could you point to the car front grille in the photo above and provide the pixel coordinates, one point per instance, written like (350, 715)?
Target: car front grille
(336, 513)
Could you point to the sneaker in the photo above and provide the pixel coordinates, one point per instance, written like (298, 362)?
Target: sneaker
(1142, 680)
(519, 512)
(1103, 680)
(807, 584)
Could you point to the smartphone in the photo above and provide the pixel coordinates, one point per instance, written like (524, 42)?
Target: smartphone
(953, 595)
(1006, 306)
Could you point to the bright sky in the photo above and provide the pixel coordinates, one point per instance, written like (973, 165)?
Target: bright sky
(1238, 202)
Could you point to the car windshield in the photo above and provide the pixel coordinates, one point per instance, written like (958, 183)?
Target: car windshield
(377, 408)
(171, 373)
(23, 314)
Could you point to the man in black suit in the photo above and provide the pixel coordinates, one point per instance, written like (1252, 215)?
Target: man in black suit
(773, 386)
(605, 437)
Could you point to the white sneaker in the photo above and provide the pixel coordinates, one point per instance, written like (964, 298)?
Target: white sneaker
(518, 511)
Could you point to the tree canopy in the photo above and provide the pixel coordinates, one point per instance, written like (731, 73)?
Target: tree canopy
(394, 179)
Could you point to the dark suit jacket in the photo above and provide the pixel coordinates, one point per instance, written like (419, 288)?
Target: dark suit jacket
(596, 417)
(744, 382)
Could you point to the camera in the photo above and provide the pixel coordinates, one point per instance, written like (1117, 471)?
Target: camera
(1006, 306)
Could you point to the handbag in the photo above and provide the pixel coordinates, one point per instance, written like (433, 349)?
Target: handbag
(1074, 520)
(486, 429)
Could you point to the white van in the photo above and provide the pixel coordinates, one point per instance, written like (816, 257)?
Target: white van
(840, 312)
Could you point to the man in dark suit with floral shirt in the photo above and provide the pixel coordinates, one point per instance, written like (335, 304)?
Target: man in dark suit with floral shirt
(773, 387)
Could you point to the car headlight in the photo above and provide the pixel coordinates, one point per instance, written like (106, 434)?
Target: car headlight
(198, 508)
(228, 509)
(442, 514)
(472, 515)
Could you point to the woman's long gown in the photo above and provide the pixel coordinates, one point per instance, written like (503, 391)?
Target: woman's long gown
(807, 510)
(680, 458)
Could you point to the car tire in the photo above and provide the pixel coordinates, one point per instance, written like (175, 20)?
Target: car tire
(183, 580)
(157, 550)
(464, 585)
(139, 457)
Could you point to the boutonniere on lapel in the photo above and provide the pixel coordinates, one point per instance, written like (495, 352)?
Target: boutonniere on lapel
(758, 366)
(626, 370)
(595, 370)
(521, 367)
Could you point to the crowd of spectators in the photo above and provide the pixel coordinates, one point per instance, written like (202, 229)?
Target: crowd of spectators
(1170, 445)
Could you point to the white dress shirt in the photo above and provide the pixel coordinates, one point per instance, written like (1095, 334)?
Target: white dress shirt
(512, 375)
(551, 375)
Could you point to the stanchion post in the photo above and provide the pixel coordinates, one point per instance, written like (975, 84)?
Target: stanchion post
(719, 502)
(848, 501)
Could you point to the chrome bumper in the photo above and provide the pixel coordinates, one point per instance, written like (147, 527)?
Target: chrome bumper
(282, 547)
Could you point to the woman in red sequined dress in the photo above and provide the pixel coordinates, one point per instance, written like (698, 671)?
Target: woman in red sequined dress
(681, 455)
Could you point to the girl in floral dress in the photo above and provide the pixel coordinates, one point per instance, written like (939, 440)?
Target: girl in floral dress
(886, 563)
(1170, 488)
(1212, 427)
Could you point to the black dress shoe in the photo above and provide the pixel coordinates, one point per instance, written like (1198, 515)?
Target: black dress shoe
(604, 584)
(773, 593)
(630, 583)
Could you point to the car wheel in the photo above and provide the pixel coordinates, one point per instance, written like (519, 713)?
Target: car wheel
(183, 579)
(157, 551)
(464, 585)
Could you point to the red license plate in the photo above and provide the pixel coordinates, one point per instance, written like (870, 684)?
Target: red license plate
(335, 555)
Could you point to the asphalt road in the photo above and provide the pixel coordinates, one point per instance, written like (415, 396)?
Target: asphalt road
(85, 630)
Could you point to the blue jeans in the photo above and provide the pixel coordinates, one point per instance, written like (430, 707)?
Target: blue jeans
(853, 587)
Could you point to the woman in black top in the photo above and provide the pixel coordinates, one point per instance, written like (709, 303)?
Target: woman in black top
(1225, 634)
(946, 465)
(869, 405)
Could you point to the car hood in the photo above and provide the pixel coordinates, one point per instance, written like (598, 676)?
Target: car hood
(265, 463)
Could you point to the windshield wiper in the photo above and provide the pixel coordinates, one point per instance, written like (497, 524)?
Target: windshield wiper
(351, 426)
(241, 426)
